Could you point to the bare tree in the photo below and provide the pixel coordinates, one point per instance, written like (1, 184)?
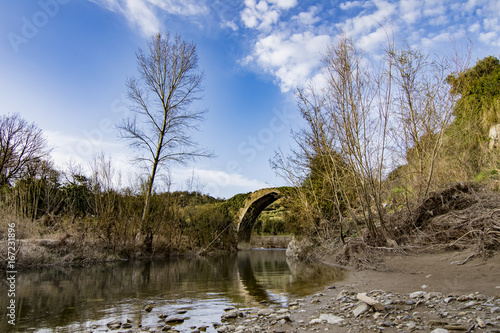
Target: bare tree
(424, 108)
(345, 141)
(21, 146)
(160, 128)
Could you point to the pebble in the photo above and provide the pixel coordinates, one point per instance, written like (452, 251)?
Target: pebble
(418, 294)
(417, 311)
(330, 319)
(231, 314)
(175, 319)
(360, 309)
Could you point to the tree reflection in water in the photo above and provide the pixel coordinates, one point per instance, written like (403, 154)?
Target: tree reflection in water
(74, 299)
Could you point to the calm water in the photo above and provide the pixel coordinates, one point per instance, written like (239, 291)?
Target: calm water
(84, 299)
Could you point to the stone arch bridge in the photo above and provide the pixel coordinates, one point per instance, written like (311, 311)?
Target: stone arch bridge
(253, 205)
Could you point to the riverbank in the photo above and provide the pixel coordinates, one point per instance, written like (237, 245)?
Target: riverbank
(443, 292)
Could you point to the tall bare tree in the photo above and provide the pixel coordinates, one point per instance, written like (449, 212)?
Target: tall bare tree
(162, 122)
(424, 108)
(345, 140)
(22, 145)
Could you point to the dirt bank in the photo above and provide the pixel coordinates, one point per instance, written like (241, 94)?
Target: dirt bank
(459, 272)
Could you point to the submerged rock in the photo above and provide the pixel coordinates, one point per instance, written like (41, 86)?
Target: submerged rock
(114, 325)
(175, 319)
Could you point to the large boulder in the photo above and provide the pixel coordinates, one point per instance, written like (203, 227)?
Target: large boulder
(299, 250)
(495, 136)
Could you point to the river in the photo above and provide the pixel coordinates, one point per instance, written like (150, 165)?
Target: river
(83, 299)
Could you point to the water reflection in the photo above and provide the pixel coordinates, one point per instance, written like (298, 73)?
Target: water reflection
(80, 299)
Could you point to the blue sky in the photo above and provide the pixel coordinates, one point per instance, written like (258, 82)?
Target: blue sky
(64, 63)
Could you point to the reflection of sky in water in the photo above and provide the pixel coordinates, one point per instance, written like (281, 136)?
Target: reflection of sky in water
(84, 299)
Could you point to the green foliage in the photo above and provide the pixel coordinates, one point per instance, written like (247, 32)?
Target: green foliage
(234, 203)
(211, 227)
(475, 112)
(271, 220)
(479, 89)
(78, 194)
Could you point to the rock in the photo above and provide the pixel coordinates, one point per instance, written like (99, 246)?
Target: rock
(494, 136)
(285, 317)
(240, 328)
(114, 325)
(480, 322)
(264, 312)
(166, 328)
(411, 325)
(330, 319)
(127, 325)
(175, 320)
(148, 308)
(231, 314)
(495, 309)
(222, 329)
(299, 250)
(418, 294)
(370, 301)
(360, 309)
(433, 295)
(440, 330)
(468, 305)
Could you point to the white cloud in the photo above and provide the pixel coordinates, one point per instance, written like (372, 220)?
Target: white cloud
(364, 23)
(369, 42)
(229, 24)
(437, 40)
(410, 10)
(284, 4)
(259, 15)
(434, 8)
(265, 13)
(292, 59)
(143, 14)
(492, 23)
(475, 27)
(182, 7)
(489, 37)
(350, 4)
(215, 182)
(309, 17)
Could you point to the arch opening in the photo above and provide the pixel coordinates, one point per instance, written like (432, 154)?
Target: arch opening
(247, 222)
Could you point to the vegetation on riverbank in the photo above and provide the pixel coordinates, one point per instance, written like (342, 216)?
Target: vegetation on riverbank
(386, 152)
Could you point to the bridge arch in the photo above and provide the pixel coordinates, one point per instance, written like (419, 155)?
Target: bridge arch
(252, 208)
